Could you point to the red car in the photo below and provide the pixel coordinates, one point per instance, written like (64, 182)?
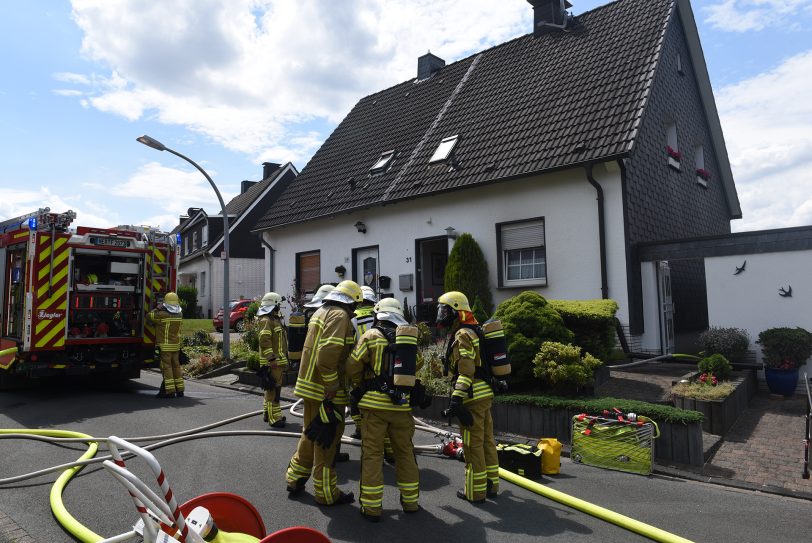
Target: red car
(236, 319)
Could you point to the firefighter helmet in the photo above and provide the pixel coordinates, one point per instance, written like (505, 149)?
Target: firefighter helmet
(389, 309)
(172, 302)
(369, 294)
(270, 302)
(318, 297)
(346, 292)
(456, 300)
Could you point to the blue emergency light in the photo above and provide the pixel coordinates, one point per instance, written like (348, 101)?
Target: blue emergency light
(177, 237)
(32, 223)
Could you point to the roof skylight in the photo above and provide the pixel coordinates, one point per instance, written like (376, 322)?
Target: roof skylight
(444, 149)
(383, 161)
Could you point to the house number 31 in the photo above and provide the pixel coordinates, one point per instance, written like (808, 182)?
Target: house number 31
(408, 259)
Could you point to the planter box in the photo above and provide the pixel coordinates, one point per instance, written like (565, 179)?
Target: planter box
(719, 415)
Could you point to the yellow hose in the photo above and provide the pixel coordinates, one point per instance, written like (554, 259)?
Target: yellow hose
(76, 529)
(10, 350)
(595, 510)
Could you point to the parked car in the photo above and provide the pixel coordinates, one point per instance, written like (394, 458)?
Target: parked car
(236, 319)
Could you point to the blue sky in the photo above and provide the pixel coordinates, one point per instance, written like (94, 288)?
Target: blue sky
(268, 80)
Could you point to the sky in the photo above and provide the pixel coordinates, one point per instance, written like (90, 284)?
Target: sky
(235, 83)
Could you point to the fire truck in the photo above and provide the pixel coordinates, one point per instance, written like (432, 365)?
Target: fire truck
(75, 301)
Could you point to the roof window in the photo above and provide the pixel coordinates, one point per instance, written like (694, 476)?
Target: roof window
(444, 150)
(383, 161)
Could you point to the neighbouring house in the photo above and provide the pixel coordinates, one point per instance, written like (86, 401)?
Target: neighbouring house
(201, 242)
(560, 151)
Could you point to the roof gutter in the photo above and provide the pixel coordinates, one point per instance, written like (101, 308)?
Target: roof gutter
(601, 230)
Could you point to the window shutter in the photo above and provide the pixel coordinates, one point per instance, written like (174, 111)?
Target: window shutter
(309, 272)
(521, 236)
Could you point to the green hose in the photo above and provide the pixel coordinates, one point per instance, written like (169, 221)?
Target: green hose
(595, 510)
(76, 529)
(10, 350)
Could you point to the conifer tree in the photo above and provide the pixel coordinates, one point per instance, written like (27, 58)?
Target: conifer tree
(467, 272)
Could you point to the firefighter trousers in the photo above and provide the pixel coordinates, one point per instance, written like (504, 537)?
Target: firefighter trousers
(170, 368)
(310, 458)
(270, 404)
(376, 425)
(481, 459)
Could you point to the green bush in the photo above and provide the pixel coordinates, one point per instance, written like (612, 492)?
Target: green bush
(251, 361)
(557, 363)
(529, 320)
(250, 337)
(467, 272)
(596, 406)
(785, 348)
(592, 322)
(730, 342)
(251, 312)
(478, 310)
(717, 365)
(188, 301)
(198, 337)
(430, 372)
(424, 335)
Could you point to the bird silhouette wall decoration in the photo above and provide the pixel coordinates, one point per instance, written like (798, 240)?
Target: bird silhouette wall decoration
(740, 269)
(785, 293)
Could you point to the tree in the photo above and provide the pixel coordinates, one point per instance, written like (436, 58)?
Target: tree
(467, 272)
(187, 295)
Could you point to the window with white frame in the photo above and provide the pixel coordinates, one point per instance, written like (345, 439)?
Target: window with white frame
(202, 283)
(186, 245)
(522, 253)
(194, 241)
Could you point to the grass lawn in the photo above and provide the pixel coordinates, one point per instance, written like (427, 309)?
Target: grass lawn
(190, 325)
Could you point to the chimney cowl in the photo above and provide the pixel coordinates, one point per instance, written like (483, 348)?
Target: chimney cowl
(428, 65)
(549, 15)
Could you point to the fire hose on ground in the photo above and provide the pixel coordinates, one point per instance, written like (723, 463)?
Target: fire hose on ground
(84, 534)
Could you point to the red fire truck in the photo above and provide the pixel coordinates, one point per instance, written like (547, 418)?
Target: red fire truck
(74, 301)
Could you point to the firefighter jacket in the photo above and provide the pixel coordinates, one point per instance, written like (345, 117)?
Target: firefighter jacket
(364, 317)
(329, 341)
(464, 360)
(273, 341)
(167, 329)
(367, 366)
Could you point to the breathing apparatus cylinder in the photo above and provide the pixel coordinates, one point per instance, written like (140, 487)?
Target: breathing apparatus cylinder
(495, 348)
(404, 363)
(297, 331)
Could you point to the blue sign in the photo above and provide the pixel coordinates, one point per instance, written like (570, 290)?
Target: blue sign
(32, 223)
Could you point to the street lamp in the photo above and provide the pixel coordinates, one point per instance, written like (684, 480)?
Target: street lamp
(155, 144)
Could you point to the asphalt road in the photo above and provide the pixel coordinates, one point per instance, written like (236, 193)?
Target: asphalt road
(254, 466)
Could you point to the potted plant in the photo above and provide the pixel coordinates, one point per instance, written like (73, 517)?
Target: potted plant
(785, 350)
(674, 157)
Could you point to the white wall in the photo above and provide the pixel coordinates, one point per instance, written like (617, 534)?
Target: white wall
(650, 340)
(750, 300)
(565, 199)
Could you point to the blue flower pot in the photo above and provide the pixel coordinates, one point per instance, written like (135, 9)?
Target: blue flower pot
(780, 381)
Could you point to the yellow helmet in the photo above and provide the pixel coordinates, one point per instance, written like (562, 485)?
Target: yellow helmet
(269, 302)
(369, 294)
(389, 309)
(455, 300)
(171, 298)
(346, 292)
(318, 297)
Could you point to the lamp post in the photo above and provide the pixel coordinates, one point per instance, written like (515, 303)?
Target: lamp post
(155, 144)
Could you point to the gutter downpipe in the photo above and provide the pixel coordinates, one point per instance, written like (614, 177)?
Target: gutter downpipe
(272, 251)
(601, 230)
(210, 260)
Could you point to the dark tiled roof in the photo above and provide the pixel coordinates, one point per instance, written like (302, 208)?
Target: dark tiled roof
(241, 202)
(528, 105)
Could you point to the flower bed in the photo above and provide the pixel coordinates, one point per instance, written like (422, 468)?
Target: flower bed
(719, 415)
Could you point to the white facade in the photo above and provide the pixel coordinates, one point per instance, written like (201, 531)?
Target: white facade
(565, 200)
(750, 300)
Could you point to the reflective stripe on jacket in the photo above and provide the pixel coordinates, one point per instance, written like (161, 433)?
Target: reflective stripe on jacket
(366, 362)
(329, 341)
(167, 329)
(273, 342)
(364, 317)
(465, 359)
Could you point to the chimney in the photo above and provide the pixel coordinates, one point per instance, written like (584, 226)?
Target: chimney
(268, 169)
(428, 64)
(549, 15)
(245, 185)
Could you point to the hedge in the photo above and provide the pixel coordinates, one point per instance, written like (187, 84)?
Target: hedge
(598, 405)
(592, 322)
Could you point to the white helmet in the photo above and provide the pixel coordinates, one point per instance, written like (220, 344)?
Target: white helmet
(369, 294)
(389, 309)
(269, 303)
(318, 298)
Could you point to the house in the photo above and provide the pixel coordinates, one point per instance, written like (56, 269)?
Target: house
(560, 151)
(201, 242)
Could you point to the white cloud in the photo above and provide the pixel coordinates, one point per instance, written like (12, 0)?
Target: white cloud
(68, 77)
(747, 15)
(16, 202)
(252, 75)
(70, 93)
(766, 122)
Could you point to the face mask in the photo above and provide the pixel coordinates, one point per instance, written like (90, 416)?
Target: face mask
(445, 316)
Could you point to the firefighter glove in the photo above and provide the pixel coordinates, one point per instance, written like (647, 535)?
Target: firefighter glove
(457, 409)
(266, 380)
(322, 429)
(419, 396)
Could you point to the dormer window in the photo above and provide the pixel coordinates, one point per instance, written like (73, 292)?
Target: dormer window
(444, 150)
(383, 162)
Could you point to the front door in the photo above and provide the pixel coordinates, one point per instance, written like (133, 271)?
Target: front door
(365, 270)
(432, 257)
(666, 307)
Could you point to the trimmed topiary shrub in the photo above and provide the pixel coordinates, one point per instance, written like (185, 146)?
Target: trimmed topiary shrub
(479, 311)
(467, 272)
(592, 322)
(560, 364)
(717, 365)
(785, 348)
(732, 343)
(529, 320)
(187, 295)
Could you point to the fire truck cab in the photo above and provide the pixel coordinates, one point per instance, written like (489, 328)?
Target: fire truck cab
(75, 301)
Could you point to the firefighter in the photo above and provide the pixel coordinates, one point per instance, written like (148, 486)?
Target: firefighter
(383, 415)
(168, 320)
(364, 316)
(329, 342)
(273, 356)
(471, 398)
